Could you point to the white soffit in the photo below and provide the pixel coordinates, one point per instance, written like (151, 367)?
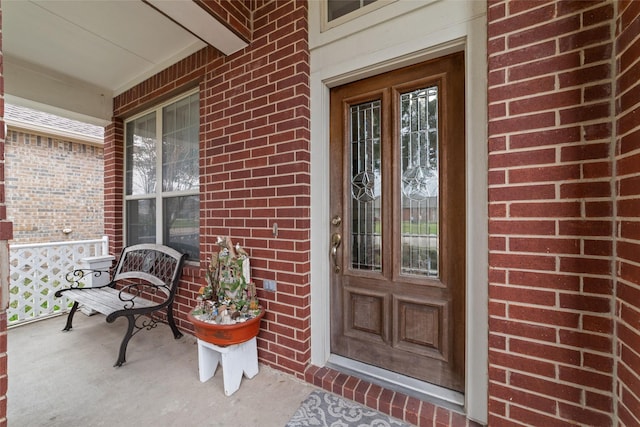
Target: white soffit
(101, 43)
(73, 56)
(201, 24)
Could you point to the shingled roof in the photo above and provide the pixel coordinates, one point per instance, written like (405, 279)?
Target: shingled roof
(28, 118)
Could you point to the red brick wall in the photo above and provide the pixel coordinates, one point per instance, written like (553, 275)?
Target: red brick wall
(235, 13)
(113, 184)
(551, 355)
(254, 166)
(628, 212)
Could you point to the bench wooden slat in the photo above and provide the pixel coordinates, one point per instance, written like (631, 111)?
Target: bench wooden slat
(106, 300)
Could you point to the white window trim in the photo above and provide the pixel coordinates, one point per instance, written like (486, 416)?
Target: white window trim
(158, 196)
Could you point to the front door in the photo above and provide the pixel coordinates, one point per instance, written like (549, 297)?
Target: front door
(398, 221)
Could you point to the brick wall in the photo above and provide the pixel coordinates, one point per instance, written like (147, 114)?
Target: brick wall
(51, 185)
(236, 14)
(113, 184)
(254, 165)
(554, 358)
(551, 253)
(628, 212)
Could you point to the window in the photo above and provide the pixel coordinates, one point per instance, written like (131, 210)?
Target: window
(162, 181)
(338, 8)
(338, 12)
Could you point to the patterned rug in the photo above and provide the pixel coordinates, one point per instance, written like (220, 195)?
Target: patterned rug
(321, 409)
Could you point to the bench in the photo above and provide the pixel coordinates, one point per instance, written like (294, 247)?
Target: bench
(146, 276)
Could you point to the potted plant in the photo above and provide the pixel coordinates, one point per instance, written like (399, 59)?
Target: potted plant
(227, 310)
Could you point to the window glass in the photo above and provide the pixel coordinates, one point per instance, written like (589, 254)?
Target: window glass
(141, 221)
(180, 145)
(419, 185)
(182, 224)
(141, 147)
(176, 224)
(338, 8)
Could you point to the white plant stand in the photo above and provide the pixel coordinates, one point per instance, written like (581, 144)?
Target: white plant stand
(236, 360)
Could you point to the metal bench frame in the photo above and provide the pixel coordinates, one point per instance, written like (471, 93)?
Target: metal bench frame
(144, 283)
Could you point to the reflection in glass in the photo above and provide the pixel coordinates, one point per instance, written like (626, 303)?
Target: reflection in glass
(180, 143)
(419, 181)
(141, 155)
(366, 183)
(182, 224)
(141, 221)
(338, 8)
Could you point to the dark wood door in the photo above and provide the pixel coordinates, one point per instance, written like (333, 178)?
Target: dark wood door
(398, 221)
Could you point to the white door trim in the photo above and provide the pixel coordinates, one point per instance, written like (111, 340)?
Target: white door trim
(469, 36)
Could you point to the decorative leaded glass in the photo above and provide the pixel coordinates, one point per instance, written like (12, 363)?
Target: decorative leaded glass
(366, 184)
(419, 181)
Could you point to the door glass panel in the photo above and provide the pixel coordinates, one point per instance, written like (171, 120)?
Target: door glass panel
(419, 183)
(366, 187)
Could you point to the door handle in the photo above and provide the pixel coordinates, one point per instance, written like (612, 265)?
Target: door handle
(336, 239)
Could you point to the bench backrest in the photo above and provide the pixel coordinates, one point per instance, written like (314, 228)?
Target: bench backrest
(157, 265)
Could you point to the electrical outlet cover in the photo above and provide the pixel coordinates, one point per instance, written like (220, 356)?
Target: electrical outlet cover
(269, 285)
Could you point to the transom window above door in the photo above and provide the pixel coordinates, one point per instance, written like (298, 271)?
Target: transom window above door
(338, 8)
(337, 12)
(162, 180)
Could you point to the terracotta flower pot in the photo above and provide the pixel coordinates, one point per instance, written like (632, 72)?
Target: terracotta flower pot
(225, 335)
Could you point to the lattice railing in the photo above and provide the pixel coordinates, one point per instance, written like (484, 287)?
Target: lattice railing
(37, 270)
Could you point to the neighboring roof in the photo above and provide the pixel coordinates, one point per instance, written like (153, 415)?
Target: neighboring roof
(40, 122)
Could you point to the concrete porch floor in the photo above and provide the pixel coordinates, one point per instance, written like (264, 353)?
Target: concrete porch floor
(68, 379)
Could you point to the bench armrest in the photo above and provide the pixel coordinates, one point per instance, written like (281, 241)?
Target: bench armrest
(75, 279)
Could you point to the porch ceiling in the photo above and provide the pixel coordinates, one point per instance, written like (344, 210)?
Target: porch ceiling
(70, 57)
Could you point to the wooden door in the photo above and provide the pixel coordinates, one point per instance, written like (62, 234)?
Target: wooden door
(398, 221)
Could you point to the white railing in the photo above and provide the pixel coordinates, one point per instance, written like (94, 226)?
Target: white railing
(37, 270)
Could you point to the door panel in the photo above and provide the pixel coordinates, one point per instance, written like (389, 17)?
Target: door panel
(397, 186)
(421, 327)
(365, 314)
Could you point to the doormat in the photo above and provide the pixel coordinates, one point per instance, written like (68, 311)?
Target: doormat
(321, 409)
